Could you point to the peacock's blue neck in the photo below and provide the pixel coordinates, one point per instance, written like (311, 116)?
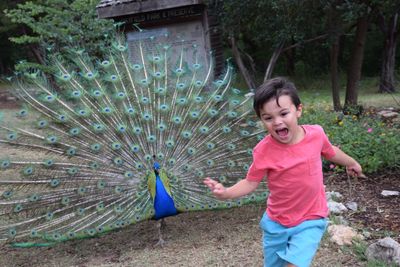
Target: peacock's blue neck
(164, 205)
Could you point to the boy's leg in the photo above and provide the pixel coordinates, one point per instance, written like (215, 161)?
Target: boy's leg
(303, 242)
(275, 239)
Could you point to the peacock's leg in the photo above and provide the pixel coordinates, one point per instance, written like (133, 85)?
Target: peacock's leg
(160, 225)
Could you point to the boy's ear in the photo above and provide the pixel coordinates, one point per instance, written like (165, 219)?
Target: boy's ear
(299, 110)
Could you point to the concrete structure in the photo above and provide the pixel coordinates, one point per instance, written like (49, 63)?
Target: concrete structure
(177, 20)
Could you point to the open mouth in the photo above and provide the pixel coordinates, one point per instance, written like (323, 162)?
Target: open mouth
(282, 132)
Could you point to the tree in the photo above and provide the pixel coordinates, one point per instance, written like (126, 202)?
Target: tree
(388, 22)
(52, 25)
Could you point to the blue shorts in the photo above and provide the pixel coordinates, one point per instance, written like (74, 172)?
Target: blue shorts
(296, 245)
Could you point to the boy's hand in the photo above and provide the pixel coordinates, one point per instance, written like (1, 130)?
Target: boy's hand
(355, 170)
(216, 188)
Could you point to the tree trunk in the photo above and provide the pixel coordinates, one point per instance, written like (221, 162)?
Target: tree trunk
(355, 64)
(334, 74)
(335, 29)
(290, 59)
(387, 81)
(242, 68)
(272, 61)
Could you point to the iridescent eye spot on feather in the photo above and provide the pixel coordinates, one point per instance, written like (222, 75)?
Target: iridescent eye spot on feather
(7, 194)
(27, 171)
(71, 151)
(212, 112)
(52, 139)
(50, 98)
(5, 164)
(76, 94)
(95, 147)
(34, 233)
(128, 174)
(75, 131)
(244, 133)
(72, 171)
(196, 66)
(12, 136)
(121, 128)
(231, 146)
(210, 163)
(226, 129)
(194, 114)
(12, 232)
(116, 146)
(18, 208)
(118, 161)
(135, 148)
(62, 118)
(146, 116)
(145, 100)
(210, 145)
(137, 130)
(180, 86)
(186, 134)
(161, 127)
(48, 162)
(170, 143)
(182, 101)
(232, 114)
(101, 184)
(136, 67)
(54, 182)
(191, 151)
(97, 93)
(130, 111)
(42, 124)
(80, 212)
(49, 215)
(105, 63)
(160, 90)
(177, 120)
(151, 138)
(164, 107)
(198, 99)
(22, 113)
(204, 129)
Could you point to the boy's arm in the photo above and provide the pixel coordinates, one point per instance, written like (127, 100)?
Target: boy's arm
(241, 188)
(353, 168)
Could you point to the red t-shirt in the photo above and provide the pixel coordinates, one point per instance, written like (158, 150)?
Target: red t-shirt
(294, 176)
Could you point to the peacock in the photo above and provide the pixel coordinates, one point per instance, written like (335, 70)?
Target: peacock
(112, 140)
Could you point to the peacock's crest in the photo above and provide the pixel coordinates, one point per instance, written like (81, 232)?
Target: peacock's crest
(92, 134)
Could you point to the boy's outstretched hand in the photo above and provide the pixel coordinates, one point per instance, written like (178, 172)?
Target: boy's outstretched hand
(355, 170)
(216, 188)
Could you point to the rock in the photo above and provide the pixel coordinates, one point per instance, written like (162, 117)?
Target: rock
(336, 207)
(333, 195)
(386, 249)
(387, 193)
(352, 206)
(342, 234)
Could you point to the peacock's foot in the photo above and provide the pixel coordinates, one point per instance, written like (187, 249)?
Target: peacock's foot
(161, 242)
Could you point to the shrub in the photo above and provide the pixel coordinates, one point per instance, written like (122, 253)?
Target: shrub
(367, 139)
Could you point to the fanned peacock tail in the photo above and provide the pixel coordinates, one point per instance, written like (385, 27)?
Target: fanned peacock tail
(94, 135)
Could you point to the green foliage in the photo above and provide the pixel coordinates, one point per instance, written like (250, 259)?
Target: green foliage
(369, 140)
(52, 25)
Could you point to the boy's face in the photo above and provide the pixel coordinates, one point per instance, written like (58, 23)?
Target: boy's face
(281, 121)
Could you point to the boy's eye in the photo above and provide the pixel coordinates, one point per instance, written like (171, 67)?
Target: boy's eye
(267, 118)
(284, 114)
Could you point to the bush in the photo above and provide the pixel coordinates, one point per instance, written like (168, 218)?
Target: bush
(367, 139)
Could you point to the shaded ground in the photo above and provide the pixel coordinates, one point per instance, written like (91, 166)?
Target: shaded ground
(218, 238)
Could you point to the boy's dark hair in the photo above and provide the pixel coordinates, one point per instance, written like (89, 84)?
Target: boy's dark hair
(273, 89)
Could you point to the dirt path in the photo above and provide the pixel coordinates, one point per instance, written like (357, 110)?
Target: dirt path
(217, 238)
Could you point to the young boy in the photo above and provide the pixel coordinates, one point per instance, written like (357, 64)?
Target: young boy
(290, 158)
